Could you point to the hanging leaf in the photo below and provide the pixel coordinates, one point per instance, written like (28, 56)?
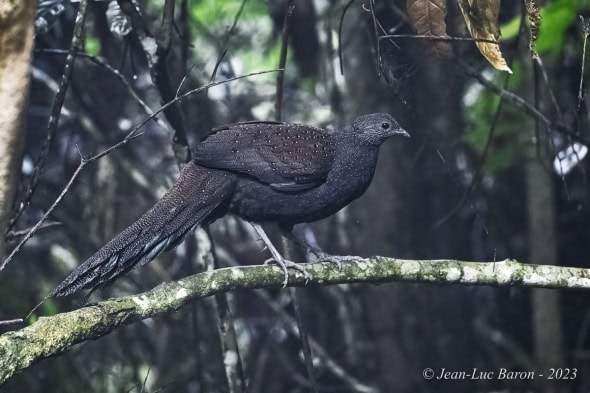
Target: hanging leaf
(481, 18)
(428, 18)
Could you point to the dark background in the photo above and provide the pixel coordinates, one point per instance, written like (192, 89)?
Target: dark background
(475, 182)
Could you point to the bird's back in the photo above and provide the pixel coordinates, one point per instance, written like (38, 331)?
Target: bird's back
(285, 157)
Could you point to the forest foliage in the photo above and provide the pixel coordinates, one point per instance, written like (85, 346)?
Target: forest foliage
(496, 169)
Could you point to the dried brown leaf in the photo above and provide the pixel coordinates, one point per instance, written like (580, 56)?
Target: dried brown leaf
(481, 18)
(428, 18)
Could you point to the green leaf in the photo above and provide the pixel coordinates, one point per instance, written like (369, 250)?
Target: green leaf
(510, 30)
(556, 18)
(92, 46)
(214, 11)
(266, 60)
(506, 146)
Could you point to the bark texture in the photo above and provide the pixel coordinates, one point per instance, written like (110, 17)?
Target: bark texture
(16, 43)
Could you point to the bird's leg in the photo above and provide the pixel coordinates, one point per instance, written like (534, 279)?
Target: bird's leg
(278, 258)
(321, 255)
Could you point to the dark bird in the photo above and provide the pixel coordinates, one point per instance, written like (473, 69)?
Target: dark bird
(261, 171)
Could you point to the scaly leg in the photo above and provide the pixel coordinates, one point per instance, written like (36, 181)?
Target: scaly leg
(322, 256)
(278, 258)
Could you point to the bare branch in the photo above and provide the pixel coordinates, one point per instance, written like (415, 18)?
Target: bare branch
(435, 38)
(103, 64)
(11, 321)
(51, 336)
(585, 32)
(340, 25)
(134, 133)
(516, 99)
(38, 225)
(75, 47)
(14, 234)
(283, 59)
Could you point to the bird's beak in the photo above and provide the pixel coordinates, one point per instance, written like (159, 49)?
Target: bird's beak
(402, 132)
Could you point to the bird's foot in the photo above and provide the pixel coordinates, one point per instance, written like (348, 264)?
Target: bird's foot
(319, 254)
(285, 264)
(278, 258)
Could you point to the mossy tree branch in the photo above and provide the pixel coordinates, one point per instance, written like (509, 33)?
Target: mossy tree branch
(51, 336)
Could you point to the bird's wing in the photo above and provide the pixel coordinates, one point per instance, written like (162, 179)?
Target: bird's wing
(288, 157)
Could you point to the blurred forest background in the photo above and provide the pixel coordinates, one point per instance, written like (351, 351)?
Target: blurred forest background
(477, 182)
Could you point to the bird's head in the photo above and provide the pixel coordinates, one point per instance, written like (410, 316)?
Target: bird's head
(377, 127)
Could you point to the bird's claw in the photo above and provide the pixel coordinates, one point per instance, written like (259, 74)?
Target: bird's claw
(285, 264)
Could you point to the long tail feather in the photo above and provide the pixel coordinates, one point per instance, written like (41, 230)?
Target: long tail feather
(197, 194)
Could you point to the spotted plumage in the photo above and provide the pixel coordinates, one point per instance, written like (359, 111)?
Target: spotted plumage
(287, 157)
(260, 171)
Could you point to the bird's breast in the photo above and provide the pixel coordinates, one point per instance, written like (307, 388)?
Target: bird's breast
(347, 180)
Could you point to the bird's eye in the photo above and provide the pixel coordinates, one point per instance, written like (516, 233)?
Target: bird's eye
(385, 126)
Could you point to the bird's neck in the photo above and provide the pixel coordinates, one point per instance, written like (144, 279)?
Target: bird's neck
(350, 145)
(355, 159)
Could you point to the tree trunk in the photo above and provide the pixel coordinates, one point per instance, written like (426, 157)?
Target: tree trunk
(16, 42)
(546, 312)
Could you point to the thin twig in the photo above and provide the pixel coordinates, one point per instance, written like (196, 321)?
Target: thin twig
(288, 252)
(217, 64)
(223, 48)
(436, 38)
(486, 149)
(232, 29)
(234, 374)
(23, 232)
(102, 63)
(132, 135)
(165, 36)
(377, 36)
(185, 35)
(585, 32)
(331, 364)
(539, 64)
(129, 137)
(11, 321)
(283, 59)
(478, 171)
(542, 158)
(83, 163)
(184, 79)
(378, 26)
(55, 113)
(340, 35)
(144, 384)
(530, 109)
(304, 338)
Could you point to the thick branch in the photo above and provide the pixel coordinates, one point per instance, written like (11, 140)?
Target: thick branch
(51, 336)
(56, 109)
